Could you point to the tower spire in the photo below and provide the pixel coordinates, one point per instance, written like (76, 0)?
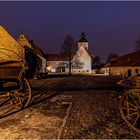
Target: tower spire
(83, 39)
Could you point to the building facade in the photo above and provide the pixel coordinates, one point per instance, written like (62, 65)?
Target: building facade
(57, 63)
(81, 61)
(126, 65)
(35, 58)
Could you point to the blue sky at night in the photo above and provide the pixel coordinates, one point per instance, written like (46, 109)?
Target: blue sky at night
(110, 27)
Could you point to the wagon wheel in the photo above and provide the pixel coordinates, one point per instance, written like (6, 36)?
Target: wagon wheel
(129, 106)
(20, 98)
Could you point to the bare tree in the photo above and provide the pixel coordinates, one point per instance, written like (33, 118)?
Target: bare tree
(111, 56)
(76, 63)
(97, 62)
(68, 50)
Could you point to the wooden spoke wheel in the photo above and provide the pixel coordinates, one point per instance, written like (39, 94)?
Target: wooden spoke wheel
(21, 97)
(129, 106)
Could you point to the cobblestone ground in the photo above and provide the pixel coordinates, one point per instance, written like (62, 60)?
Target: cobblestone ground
(40, 121)
(93, 117)
(77, 107)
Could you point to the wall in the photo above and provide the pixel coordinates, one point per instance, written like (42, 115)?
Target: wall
(83, 44)
(121, 71)
(84, 58)
(23, 40)
(55, 64)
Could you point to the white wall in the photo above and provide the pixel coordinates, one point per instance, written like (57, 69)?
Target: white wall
(83, 44)
(55, 64)
(122, 71)
(83, 56)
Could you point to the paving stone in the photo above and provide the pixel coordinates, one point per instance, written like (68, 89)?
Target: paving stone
(96, 117)
(92, 114)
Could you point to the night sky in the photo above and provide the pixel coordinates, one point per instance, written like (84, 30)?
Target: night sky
(110, 27)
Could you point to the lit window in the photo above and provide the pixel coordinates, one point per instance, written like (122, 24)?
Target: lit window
(53, 70)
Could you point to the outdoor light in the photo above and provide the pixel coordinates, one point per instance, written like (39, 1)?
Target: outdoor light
(49, 68)
(53, 70)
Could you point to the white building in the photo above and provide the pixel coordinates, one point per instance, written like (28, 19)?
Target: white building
(81, 62)
(57, 63)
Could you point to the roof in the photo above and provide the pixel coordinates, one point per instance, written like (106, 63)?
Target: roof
(89, 53)
(83, 39)
(10, 49)
(37, 50)
(62, 57)
(25, 41)
(56, 57)
(131, 59)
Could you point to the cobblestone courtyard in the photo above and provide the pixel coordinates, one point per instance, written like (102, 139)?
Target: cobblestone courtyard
(77, 107)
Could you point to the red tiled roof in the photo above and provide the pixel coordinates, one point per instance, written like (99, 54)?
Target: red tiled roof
(131, 59)
(59, 57)
(56, 57)
(37, 50)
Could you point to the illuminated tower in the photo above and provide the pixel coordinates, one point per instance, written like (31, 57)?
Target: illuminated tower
(83, 57)
(83, 41)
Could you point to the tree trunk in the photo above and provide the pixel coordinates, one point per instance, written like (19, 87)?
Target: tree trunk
(70, 67)
(70, 58)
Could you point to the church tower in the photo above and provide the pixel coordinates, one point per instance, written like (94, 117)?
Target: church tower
(83, 57)
(83, 41)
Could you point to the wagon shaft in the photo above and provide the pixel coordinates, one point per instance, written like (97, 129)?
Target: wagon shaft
(131, 82)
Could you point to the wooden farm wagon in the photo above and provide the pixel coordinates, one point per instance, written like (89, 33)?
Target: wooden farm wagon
(129, 102)
(15, 88)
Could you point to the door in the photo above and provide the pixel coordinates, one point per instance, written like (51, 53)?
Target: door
(129, 73)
